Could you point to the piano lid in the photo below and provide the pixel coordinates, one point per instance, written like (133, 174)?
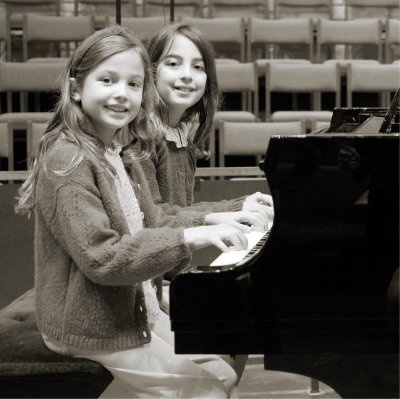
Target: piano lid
(365, 120)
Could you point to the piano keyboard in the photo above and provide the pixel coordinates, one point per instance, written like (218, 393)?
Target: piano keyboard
(256, 241)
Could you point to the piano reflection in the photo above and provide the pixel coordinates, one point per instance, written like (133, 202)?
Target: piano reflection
(312, 292)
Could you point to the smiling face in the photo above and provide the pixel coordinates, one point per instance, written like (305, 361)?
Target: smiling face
(111, 93)
(181, 77)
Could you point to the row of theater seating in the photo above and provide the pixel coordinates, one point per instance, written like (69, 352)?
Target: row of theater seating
(236, 38)
(213, 8)
(240, 79)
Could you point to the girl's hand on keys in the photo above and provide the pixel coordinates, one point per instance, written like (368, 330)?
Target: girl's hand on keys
(260, 198)
(265, 210)
(222, 236)
(241, 220)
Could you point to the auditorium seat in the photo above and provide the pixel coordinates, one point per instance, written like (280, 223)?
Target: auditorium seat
(238, 8)
(143, 27)
(371, 9)
(381, 79)
(267, 39)
(227, 35)
(61, 34)
(352, 34)
(303, 8)
(102, 9)
(16, 8)
(311, 79)
(23, 78)
(182, 8)
(392, 40)
(241, 79)
(251, 138)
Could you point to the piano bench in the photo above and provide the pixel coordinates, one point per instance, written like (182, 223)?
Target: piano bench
(28, 369)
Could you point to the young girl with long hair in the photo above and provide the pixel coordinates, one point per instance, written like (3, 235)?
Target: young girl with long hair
(185, 75)
(99, 238)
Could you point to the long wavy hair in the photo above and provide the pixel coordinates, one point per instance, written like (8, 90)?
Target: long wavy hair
(70, 121)
(201, 113)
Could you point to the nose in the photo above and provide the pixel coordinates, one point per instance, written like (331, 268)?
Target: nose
(186, 73)
(121, 91)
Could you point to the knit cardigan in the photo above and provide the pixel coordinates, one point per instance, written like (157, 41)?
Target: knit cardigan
(170, 172)
(88, 268)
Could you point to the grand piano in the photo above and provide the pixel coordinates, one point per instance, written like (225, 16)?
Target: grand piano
(318, 293)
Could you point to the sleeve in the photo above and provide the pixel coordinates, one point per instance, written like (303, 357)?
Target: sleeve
(156, 169)
(218, 206)
(82, 227)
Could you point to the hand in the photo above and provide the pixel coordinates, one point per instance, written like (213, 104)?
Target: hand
(222, 236)
(260, 198)
(261, 203)
(241, 220)
(266, 211)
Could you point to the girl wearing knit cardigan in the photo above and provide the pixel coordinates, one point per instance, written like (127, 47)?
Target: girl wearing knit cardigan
(94, 258)
(184, 71)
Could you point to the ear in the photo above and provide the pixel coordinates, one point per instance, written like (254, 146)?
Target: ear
(74, 90)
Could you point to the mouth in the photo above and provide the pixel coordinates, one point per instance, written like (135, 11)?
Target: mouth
(184, 89)
(117, 108)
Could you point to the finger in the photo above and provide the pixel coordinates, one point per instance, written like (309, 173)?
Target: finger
(266, 199)
(255, 219)
(242, 227)
(220, 244)
(255, 207)
(238, 240)
(270, 213)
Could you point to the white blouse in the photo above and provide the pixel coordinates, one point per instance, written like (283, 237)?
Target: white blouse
(134, 218)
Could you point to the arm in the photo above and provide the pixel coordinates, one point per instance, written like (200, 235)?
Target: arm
(101, 246)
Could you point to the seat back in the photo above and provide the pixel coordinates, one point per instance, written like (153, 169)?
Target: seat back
(227, 35)
(35, 132)
(26, 129)
(68, 31)
(240, 78)
(252, 138)
(142, 27)
(27, 77)
(102, 9)
(273, 33)
(383, 79)
(5, 36)
(302, 78)
(392, 40)
(15, 9)
(303, 8)
(182, 8)
(366, 31)
(238, 8)
(371, 8)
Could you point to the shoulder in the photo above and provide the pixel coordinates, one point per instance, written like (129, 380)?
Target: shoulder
(65, 163)
(61, 154)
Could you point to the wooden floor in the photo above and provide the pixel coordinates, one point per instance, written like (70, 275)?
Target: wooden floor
(257, 383)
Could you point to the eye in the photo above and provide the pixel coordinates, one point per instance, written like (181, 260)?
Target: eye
(136, 84)
(199, 67)
(106, 79)
(171, 62)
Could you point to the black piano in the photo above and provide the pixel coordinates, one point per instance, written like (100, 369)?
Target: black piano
(318, 295)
